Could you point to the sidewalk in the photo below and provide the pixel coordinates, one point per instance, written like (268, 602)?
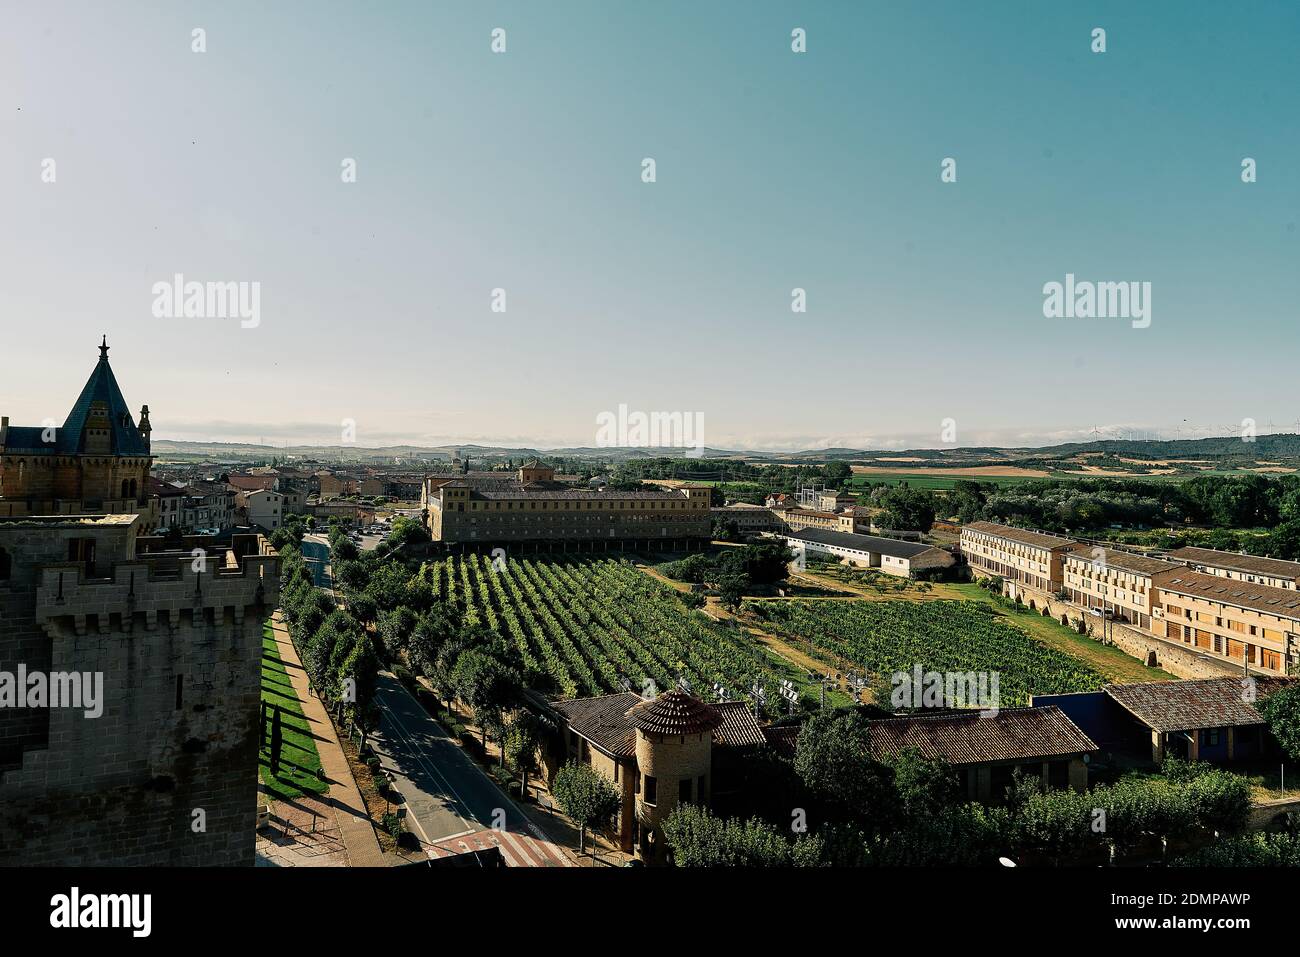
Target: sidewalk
(354, 827)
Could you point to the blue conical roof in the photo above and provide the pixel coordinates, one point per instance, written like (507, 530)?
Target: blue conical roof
(101, 387)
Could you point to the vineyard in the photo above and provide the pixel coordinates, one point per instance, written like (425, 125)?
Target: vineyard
(884, 637)
(588, 624)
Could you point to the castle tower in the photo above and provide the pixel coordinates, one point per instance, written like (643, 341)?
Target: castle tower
(97, 462)
(174, 648)
(674, 754)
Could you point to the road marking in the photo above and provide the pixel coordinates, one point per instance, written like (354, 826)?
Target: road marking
(518, 846)
(407, 737)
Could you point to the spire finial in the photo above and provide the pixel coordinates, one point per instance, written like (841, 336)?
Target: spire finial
(103, 349)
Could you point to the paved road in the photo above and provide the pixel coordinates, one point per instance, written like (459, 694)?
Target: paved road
(451, 805)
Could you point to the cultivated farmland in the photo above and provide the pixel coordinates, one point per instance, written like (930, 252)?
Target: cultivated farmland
(587, 624)
(883, 637)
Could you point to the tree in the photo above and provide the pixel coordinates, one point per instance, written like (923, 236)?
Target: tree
(1284, 542)
(406, 531)
(1281, 710)
(906, 508)
(430, 633)
(361, 665)
(698, 839)
(440, 669)
(522, 738)
(833, 758)
(925, 787)
(588, 798)
(488, 686)
(342, 548)
(395, 628)
(731, 589)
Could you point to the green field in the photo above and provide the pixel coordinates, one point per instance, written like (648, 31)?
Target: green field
(944, 483)
(935, 482)
(299, 760)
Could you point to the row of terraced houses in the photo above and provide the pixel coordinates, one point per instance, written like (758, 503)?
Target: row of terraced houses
(1239, 609)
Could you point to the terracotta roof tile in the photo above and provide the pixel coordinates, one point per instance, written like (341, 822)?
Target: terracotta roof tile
(1169, 706)
(674, 712)
(1022, 535)
(974, 738)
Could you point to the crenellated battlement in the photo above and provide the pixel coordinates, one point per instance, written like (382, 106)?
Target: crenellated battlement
(167, 590)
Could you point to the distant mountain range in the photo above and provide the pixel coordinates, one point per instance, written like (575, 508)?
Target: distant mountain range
(1279, 447)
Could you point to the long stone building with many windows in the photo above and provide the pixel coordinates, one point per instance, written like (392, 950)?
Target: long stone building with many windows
(1248, 624)
(530, 506)
(1246, 568)
(1118, 584)
(1016, 555)
(1206, 608)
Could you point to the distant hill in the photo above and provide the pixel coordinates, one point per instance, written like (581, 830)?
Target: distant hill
(1200, 454)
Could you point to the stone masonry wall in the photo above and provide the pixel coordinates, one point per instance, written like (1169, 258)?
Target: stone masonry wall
(1179, 661)
(180, 657)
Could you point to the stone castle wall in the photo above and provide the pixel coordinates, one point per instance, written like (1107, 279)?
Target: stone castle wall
(180, 653)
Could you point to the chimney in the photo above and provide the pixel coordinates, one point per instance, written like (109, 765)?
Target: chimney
(4, 430)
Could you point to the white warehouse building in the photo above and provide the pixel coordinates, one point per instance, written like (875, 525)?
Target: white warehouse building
(905, 559)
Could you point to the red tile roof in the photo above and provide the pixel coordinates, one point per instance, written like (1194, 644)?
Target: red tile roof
(674, 712)
(1022, 535)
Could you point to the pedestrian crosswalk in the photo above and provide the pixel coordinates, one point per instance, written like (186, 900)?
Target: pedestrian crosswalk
(519, 850)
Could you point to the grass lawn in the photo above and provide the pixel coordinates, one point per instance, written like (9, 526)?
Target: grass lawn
(1113, 664)
(299, 762)
(1266, 782)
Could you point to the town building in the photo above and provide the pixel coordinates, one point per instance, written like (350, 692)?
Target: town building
(1247, 568)
(209, 505)
(1255, 626)
(263, 509)
(1116, 583)
(986, 749)
(531, 507)
(1018, 556)
(659, 752)
(748, 519)
(1210, 719)
(332, 485)
(166, 507)
(797, 519)
(893, 557)
(832, 500)
(252, 483)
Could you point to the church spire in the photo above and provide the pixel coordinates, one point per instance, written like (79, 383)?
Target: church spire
(103, 349)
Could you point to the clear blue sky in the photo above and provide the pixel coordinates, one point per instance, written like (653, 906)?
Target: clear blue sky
(775, 170)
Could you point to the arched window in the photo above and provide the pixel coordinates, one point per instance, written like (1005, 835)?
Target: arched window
(126, 488)
(6, 565)
(134, 488)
